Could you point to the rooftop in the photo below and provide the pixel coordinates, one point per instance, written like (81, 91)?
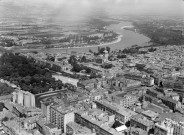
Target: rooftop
(50, 125)
(137, 130)
(63, 109)
(141, 119)
(78, 129)
(14, 127)
(173, 116)
(118, 108)
(150, 113)
(101, 119)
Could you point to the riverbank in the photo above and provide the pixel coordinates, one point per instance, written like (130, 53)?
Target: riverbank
(119, 38)
(126, 39)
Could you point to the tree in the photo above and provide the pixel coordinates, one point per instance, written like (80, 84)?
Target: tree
(27, 74)
(108, 49)
(5, 119)
(83, 59)
(5, 89)
(72, 59)
(6, 70)
(90, 51)
(152, 49)
(121, 56)
(1, 106)
(88, 70)
(27, 80)
(101, 50)
(76, 67)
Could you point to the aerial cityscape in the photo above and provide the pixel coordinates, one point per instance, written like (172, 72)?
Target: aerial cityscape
(92, 67)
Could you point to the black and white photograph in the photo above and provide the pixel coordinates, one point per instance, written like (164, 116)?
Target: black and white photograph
(91, 67)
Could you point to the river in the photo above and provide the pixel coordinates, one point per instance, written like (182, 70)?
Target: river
(128, 39)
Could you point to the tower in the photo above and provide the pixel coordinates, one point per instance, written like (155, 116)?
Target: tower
(20, 97)
(106, 55)
(27, 100)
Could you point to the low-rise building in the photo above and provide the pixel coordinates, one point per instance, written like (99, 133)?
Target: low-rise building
(174, 119)
(125, 100)
(164, 128)
(29, 123)
(151, 115)
(141, 122)
(135, 131)
(121, 113)
(47, 128)
(73, 128)
(172, 104)
(98, 121)
(13, 127)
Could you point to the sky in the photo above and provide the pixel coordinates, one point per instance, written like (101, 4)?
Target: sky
(79, 8)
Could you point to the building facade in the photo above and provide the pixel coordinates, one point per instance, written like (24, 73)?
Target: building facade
(60, 116)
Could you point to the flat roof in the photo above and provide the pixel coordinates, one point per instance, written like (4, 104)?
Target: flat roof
(50, 125)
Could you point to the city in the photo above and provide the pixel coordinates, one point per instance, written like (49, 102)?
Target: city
(83, 81)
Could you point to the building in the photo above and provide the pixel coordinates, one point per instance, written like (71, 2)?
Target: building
(29, 123)
(98, 121)
(22, 111)
(18, 111)
(121, 114)
(135, 131)
(174, 119)
(172, 104)
(60, 116)
(47, 128)
(87, 84)
(45, 107)
(154, 93)
(151, 115)
(52, 129)
(95, 68)
(121, 82)
(12, 127)
(73, 128)
(147, 81)
(134, 76)
(125, 100)
(164, 128)
(141, 122)
(24, 98)
(5, 98)
(65, 79)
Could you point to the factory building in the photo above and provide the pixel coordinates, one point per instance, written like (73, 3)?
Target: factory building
(24, 98)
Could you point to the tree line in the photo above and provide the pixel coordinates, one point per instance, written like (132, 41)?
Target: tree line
(28, 75)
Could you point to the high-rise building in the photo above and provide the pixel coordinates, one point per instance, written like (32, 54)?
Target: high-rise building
(60, 116)
(45, 107)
